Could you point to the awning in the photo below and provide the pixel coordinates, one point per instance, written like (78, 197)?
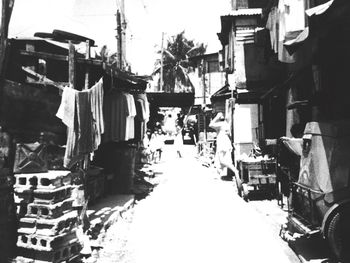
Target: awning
(163, 99)
(320, 9)
(242, 96)
(223, 93)
(321, 20)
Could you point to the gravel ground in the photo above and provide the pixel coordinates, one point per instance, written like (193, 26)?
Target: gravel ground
(116, 248)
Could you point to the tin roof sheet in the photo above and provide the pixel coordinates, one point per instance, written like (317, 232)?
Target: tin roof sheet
(246, 12)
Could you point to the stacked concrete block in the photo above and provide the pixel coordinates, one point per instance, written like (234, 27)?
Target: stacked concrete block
(47, 222)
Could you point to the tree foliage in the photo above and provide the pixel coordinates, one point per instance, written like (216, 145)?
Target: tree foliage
(176, 65)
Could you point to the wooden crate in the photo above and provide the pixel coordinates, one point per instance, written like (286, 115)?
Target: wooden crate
(259, 172)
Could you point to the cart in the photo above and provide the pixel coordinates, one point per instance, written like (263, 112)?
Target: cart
(256, 176)
(320, 198)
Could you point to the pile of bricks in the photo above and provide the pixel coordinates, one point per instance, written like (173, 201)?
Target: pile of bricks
(47, 222)
(7, 215)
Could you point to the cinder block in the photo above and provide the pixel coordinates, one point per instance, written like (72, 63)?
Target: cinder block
(45, 243)
(49, 180)
(48, 196)
(67, 252)
(23, 195)
(49, 210)
(21, 209)
(48, 227)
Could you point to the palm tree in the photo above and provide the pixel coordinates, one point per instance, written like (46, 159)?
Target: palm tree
(176, 65)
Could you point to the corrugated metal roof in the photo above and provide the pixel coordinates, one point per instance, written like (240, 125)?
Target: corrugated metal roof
(246, 12)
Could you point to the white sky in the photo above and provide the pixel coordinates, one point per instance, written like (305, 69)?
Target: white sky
(146, 19)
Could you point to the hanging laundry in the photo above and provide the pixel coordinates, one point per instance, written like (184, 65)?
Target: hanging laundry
(288, 16)
(142, 115)
(272, 26)
(97, 112)
(130, 119)
(81, 112)
(116, 111)
(66, 111)
(85, 125)
(291, 17)
(294, 15)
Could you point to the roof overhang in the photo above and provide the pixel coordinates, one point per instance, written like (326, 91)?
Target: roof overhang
(227, 21)
(322, 19)
(164, 99)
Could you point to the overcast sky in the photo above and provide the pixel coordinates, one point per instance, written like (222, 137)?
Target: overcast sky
(146, 20)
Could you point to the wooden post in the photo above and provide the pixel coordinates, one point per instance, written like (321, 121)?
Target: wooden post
(86, 161)
(7, 6)
(161, 63)
(87, 72)
(204, 100)
(119, 38)
(71, 66)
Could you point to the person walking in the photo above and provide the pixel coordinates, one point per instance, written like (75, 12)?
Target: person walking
(223, 144)
(178, 141)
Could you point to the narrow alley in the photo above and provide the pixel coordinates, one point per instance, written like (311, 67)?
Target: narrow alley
(162, 131)
(194, 216)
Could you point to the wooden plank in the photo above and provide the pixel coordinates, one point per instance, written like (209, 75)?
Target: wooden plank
(44, 80)
(64, 35)
(45, 55)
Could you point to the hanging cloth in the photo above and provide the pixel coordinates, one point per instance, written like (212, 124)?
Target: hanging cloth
(97, 112)
(130, 118)
(81, 112)
(291, 17)
(66, 111)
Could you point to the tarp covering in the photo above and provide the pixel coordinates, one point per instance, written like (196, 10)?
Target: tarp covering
(325, 164)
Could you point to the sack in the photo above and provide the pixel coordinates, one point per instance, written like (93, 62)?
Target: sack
(30, 158)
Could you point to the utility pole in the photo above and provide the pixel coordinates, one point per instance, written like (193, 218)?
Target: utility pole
(203, 69)
(119, 39)
(123, 33)
(161, 63)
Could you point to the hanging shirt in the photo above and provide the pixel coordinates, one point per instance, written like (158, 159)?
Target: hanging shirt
(97, 112)
(85, 122)
(119, 113)
(66, 111)
(81, 112)
(142, 115)
(291, 17)
(130, 118)
(272, 26)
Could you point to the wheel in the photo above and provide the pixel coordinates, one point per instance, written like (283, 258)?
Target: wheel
(338, 234)
(239, 185)
(245, 193)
